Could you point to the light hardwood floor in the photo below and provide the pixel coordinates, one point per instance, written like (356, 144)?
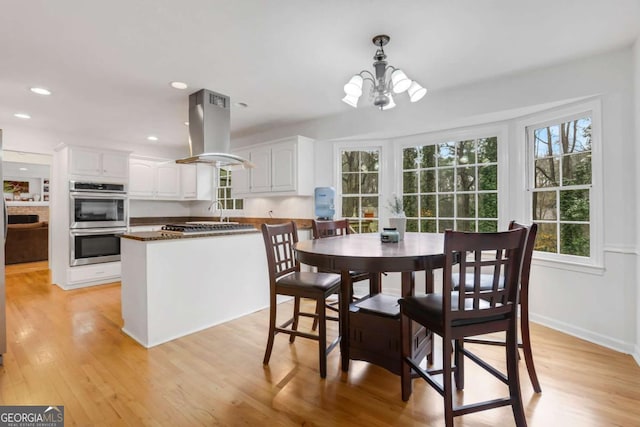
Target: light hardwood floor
(66, 348)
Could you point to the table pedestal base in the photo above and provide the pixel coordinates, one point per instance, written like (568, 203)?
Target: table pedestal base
(375, 333)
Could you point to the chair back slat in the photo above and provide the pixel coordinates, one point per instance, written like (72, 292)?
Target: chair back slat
(279, 240)
(501, 254)
(321, 229)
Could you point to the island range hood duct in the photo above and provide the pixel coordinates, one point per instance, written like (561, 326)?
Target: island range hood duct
(210, 133)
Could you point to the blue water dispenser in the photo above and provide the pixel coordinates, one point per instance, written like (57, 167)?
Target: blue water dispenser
(324, 202)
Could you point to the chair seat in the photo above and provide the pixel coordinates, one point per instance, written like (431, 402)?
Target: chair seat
(427, 310)
(322, 282)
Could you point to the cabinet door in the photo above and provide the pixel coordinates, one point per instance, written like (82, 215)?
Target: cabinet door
(142, 178)
(241, 178)
(85, 162)
(283, 167)
(167, 180)
(188, 183)
(261, 174)
(115, 165)
(205, 181)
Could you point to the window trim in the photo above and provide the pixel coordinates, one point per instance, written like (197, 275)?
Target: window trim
(593, 108)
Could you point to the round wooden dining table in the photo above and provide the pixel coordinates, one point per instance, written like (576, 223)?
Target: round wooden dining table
(366, 252)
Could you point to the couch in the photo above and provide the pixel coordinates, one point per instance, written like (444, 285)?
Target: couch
(27, 239)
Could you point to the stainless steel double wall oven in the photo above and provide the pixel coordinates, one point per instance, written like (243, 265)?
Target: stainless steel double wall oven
(97, 218)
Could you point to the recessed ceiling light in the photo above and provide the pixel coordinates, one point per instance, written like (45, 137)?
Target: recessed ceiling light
(22, 115)
(179, 85)
(152, 138)
(40, 91)
(241, 104)
(23, 169)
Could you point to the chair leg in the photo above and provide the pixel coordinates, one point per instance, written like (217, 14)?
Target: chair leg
(296, 316)
(315, 320)
(513, 375)
(322, 336)
(446, 382)
(405, 346)
(272, 332)
(526, 345)
(458, 373)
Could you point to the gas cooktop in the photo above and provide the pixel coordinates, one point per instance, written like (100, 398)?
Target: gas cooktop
(194, 228)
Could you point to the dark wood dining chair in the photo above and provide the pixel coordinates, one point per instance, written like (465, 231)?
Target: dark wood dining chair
(470, 311)
(525, 345)
(332, 228)
(285, 278)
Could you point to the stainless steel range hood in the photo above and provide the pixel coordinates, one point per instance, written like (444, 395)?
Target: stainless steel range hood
(210, 133)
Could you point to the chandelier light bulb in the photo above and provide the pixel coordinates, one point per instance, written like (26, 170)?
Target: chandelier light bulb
(354, 87)
(416, 92)
(400, 81)
(351, 100)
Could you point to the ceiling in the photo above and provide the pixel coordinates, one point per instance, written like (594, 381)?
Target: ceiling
(109, 64)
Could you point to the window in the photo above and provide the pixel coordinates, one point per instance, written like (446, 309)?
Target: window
(360, 188)
(451, 185)
(561, 185)
(224, 191)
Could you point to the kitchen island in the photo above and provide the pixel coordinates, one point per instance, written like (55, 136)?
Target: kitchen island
(175, 285)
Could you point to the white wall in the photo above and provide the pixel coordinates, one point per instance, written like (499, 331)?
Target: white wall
(636, 80)
(597, 304)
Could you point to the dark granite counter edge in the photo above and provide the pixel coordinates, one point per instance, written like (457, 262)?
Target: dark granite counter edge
(147, 236)
(302, 223)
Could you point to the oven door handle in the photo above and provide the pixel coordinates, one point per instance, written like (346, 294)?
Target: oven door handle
(84, 195)
(92, 231)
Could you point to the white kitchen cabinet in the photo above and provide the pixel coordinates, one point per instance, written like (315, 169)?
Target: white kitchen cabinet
(153, 179)
(142, 176)
(196, 181)
(282, 168)
(240, 178)
(96, 163)
(167, 180)
(260, 181)
(90, 275)
(188, 181)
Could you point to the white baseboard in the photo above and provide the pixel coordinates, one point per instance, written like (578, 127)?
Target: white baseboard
(603, 340)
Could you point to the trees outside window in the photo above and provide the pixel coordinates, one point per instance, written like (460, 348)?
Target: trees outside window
(451, 185)
(360, 191)
(224, 191)
(561, 181)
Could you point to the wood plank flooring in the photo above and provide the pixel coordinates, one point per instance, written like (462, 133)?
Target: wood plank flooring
(66, 348)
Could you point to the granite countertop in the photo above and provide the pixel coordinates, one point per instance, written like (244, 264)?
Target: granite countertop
(147, 236)
(301, 223)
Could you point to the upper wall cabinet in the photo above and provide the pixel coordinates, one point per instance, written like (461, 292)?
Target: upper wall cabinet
(98, 163)
(196, 181)
(167, 180)
(282, 168)
(151, 179)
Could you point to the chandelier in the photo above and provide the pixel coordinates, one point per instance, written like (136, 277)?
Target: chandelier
(388, 80)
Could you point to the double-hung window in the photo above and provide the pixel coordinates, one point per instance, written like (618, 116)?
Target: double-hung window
(560, 182)
(224, 191)
(360, 189)
(451, 185)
